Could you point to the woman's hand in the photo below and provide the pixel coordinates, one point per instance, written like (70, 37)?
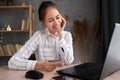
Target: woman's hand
(63, 24)
(48, 66)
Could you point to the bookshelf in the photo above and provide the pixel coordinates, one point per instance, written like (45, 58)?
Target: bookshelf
(11, 41)
(14, 7)
(14, 31)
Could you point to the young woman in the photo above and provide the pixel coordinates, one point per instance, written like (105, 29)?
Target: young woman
(53, 43)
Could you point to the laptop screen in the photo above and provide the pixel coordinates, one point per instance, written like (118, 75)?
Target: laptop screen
(112, 61)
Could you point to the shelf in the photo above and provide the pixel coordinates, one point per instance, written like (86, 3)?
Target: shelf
(31, 16)
(13, 31)
(14, 7)
(16, 35)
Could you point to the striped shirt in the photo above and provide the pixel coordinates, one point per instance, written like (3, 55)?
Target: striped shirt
(46, 47)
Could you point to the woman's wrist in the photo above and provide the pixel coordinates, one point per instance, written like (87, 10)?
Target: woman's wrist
(39, 65)
(60, 36)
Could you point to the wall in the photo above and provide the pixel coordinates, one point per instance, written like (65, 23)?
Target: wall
(75, 9)
(78, 9)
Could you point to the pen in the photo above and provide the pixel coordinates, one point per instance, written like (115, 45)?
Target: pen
(53, 60)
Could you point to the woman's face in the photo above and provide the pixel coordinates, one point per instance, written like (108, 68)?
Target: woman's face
(53, 20)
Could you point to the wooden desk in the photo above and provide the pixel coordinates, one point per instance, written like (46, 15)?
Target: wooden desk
(6, 74)
(114, 76)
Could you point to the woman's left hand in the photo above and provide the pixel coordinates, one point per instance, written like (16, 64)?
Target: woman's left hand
(63, 24)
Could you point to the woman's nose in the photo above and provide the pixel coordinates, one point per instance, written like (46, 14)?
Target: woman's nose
(56, 22)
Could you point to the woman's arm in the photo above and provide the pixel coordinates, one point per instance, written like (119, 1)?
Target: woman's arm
(20, 59)
(66, 49)
(47, 66)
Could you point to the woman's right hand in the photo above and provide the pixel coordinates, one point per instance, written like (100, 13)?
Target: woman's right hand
(48, 66)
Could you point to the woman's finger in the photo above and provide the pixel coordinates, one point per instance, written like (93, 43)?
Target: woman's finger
(63, 24)
(50, 68)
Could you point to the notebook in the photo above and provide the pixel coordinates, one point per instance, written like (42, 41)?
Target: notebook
(97, 71)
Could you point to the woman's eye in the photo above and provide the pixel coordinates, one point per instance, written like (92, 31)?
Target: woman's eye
(58, 18)
(50, 21)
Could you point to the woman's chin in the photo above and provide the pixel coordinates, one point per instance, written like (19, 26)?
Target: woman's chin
(58, 29)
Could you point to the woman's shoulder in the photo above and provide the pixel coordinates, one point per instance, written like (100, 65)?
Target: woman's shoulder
(66, 32)
(39, 31)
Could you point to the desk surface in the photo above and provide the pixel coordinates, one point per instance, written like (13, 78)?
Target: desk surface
(114, 76)
(6, 74)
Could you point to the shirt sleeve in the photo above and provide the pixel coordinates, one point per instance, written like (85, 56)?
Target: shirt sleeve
(66, 49)
(20, 59)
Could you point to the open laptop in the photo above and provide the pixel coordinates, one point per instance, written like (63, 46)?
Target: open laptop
(112, 61)
(85, 71)
(97, 71)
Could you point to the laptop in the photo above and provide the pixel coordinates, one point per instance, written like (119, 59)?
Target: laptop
(112, 61)
(85, 71)
(98, 71)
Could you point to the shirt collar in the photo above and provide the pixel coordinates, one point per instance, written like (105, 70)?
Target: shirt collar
(50, 34)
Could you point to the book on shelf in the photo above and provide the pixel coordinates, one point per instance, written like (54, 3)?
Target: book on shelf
(17, 46)
(9, 49)
(24, 25)
(1, 51)
(5, 50)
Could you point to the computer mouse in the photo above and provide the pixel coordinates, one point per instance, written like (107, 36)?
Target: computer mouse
(33, 74)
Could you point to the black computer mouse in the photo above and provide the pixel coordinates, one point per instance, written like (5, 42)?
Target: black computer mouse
(33, 74)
